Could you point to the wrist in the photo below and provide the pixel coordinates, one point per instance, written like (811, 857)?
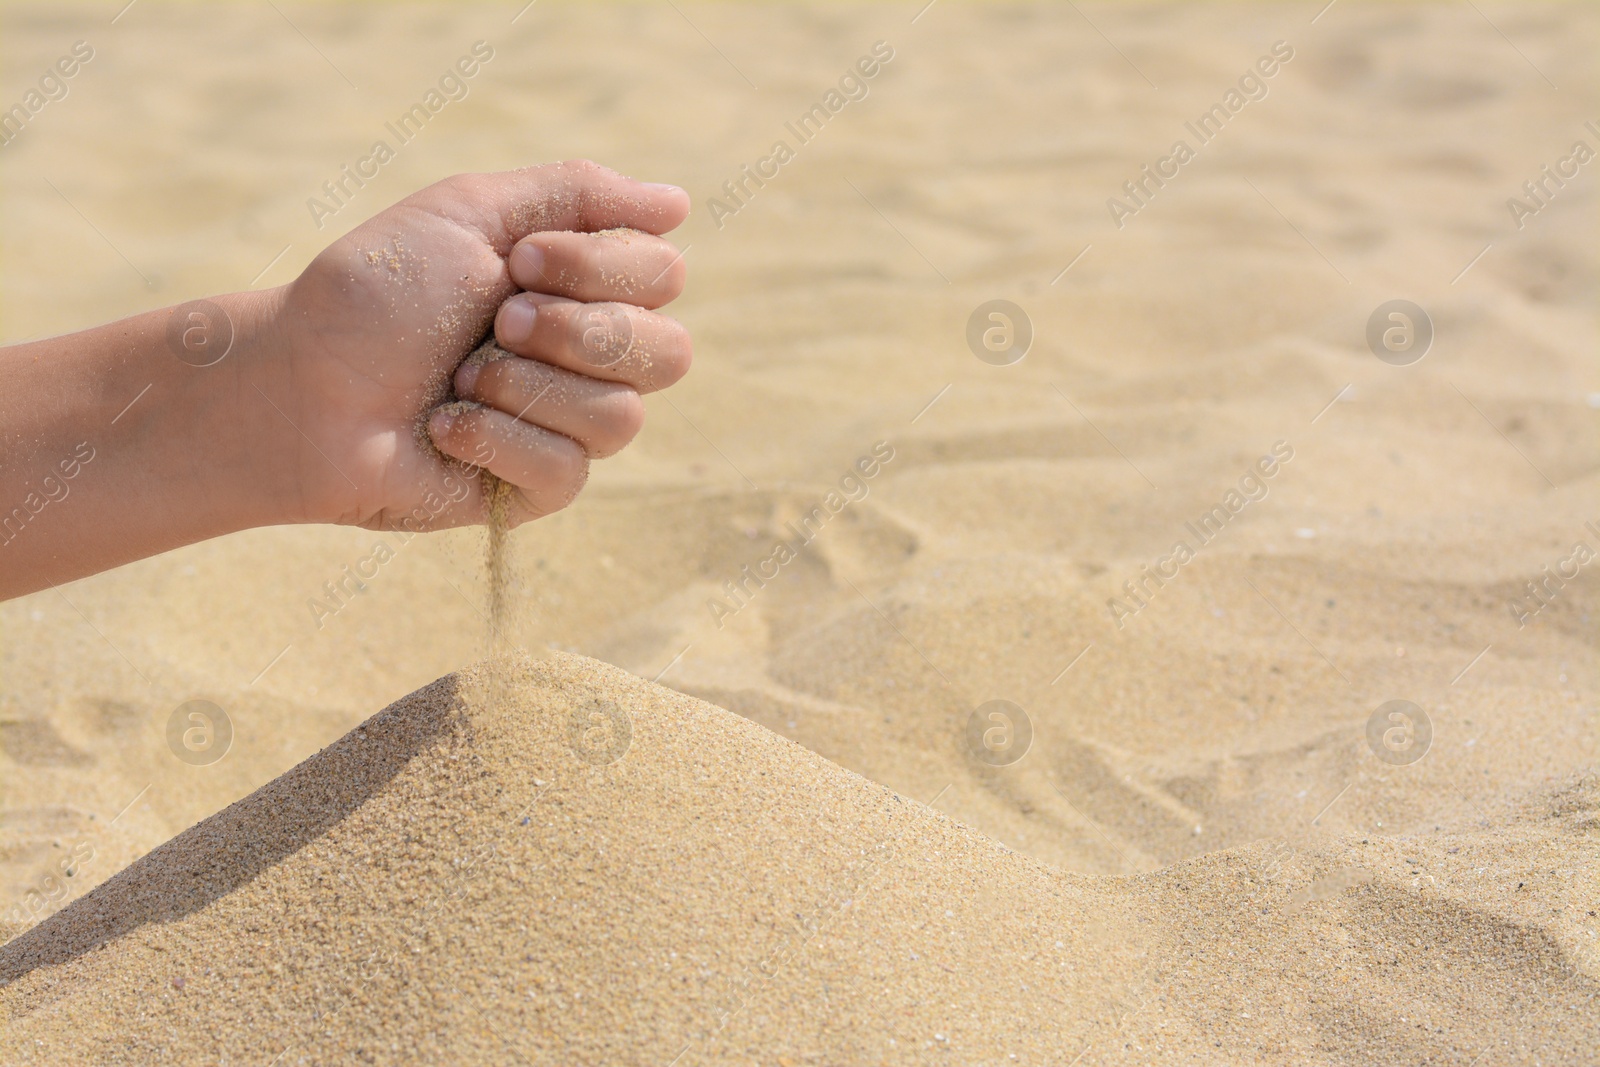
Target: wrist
(205, 435)
(230, 412)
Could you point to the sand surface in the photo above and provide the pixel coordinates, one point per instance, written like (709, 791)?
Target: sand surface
(561, 862)
(1199, 859)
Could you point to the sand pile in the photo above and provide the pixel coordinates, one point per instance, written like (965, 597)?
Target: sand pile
(600, 869)
(595, 869)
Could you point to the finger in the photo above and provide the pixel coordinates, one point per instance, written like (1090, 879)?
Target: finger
(612, 342)
(600, 416)
(616, 265)
(578, 195)
(548, 469)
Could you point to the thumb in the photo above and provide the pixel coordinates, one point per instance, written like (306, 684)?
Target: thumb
(581, 195)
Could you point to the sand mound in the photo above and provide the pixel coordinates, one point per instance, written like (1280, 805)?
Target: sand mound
(596, 867)
(558, 862)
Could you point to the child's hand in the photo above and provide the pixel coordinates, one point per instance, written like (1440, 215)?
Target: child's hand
(318, 402)
(372, 336)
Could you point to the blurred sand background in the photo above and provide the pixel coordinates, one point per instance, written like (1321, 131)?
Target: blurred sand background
(1217, 740)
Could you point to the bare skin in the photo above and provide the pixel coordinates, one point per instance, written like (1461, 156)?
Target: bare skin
(330, 403)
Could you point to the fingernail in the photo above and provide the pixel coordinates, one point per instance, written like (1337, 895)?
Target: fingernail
(530, 258)
(439, 422)
(516, 322)
(466, 377)
(663, 187)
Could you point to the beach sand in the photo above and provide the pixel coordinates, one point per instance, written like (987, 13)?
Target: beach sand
(565, 863)
(1199, 858)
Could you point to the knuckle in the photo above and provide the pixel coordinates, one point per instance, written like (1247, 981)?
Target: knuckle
(557, 480)
(568, 476)
(463, 434)
(674, 270)
(574, 468)
(672, 281)
(566, 265)
(561, 460)
(463, 379)
(580, 478)
(623, 419)
(502, 382)
(575, 257)
(463, 185)
(586, 172)
(677, 353)
(654, 245)
(528, 505)
(601, 333)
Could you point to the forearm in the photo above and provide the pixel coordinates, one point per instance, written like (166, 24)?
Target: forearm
(113, 448)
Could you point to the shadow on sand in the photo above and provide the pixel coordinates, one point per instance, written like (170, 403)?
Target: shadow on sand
(227, 850)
